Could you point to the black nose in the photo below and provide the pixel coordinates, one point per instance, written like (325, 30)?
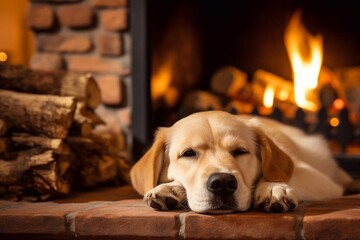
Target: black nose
(222, 184)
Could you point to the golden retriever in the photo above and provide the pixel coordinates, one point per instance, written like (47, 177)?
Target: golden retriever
(216, 162)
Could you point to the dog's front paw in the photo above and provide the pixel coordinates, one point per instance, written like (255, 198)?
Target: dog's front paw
(275, 197)
(166, 197)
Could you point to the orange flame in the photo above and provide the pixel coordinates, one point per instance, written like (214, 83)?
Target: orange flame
(305, 52)
(269, 96)
(161, 80)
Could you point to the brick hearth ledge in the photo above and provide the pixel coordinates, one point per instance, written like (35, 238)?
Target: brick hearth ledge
(132, 219)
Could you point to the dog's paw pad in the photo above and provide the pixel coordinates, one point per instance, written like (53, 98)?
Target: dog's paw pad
(276, 207)
(165, 197)
(171, 203)
(262, 205)
(155, 205)
(272, 197)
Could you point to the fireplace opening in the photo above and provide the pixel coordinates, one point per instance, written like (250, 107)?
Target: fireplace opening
(187, 42)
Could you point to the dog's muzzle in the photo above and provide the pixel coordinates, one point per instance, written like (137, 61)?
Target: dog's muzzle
(222, 184)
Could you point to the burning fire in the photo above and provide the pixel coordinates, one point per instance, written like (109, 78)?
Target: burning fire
(161, 80)
(269, 97)
(305, 52)
(161, 88)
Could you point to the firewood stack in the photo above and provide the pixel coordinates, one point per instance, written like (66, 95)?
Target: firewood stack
(47, 145)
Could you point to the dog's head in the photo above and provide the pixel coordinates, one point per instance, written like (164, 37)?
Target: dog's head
(216, 156)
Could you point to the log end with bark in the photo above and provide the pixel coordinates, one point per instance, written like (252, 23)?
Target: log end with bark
(36, 175)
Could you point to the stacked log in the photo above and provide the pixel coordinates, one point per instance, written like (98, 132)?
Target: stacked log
(232, 91)
(47, 146)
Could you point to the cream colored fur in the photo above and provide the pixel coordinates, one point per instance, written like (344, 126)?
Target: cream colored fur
(277, 167)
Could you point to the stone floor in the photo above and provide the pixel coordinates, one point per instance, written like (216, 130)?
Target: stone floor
(119, 213)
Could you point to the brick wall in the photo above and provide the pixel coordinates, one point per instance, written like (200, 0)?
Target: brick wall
(87, 36)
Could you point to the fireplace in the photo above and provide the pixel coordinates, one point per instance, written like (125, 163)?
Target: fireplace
(180, 45)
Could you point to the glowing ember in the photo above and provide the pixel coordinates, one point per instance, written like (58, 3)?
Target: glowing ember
(269, 97)
(161, 80)
(305, 52)
(334, 122)
(283, 95)
(3, 56)
(339, 104)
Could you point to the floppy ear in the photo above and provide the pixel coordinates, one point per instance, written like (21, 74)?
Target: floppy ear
(277, 166)
(145, 173)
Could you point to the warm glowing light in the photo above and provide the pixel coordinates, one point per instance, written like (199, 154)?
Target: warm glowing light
(334, 122)
(339, 104)
(269, 97)
(283, 95)
(160, 81)
(3, 57)
(305, 52)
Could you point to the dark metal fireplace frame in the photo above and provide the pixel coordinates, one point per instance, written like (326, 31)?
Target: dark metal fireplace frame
(141, 76)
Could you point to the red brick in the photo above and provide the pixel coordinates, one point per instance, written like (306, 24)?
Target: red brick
(343, 203)
(114, 19)
(76, 16)
(111, 89)
(37, 218)
(110, 3)
(4, 204)
(64, 43)
(332, 219)
(132, 202)
(40, 17)
(46, 61)
(103, 194)
(117, 220)
(250, 225)
(109, 44)
(333, 224)
(99, 65)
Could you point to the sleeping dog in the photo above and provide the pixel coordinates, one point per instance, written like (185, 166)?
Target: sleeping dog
(214, 162)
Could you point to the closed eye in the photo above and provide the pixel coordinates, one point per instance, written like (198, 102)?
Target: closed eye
(239, 151)
(188, 153)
